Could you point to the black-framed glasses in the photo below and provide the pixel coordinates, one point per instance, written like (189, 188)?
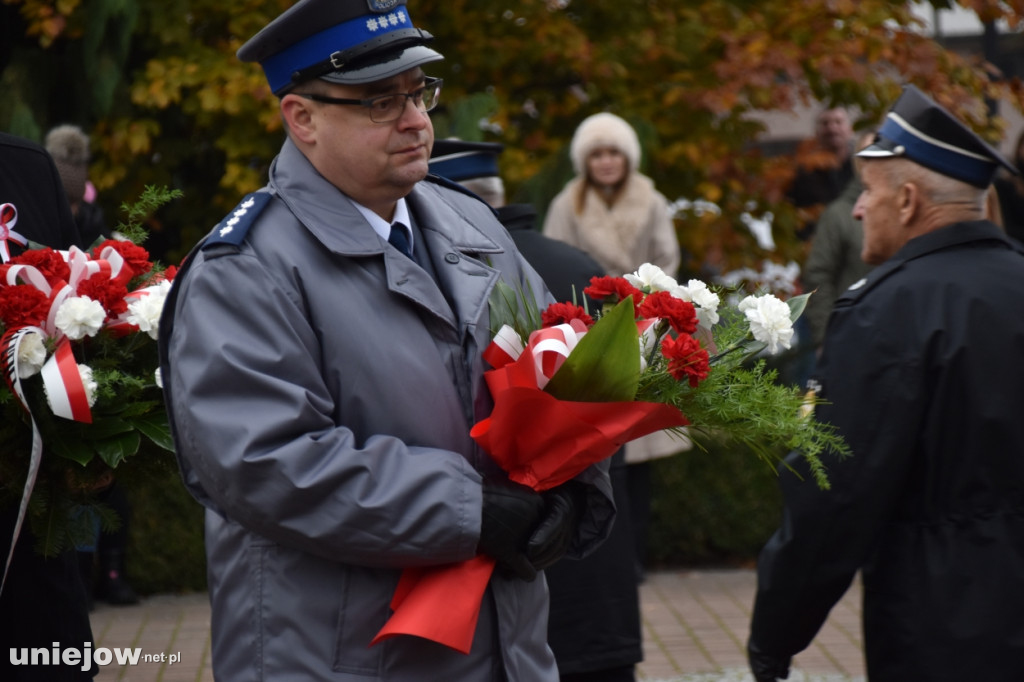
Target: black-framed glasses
(388, 108)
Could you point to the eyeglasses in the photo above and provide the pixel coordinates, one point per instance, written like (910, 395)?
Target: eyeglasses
(388, 108)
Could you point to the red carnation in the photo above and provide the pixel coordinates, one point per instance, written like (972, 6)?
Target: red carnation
(561, 313)
(135, 257)
(613, 290)
(49, 262)
(681, 315)
(22, 305)
(110, 293)
(686, 359)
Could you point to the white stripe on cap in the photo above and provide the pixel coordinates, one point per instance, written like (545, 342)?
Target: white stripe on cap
(901, 122)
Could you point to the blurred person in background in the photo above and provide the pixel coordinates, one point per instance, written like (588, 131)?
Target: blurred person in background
(834, 262)
(69, 147)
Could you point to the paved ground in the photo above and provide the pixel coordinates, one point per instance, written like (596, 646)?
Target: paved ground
(695, 630)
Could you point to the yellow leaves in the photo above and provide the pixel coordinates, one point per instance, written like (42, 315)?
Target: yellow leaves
(45, 20)
(709, 191)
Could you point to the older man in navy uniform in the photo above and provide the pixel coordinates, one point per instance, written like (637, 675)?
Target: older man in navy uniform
(921, 372)
(321, 353)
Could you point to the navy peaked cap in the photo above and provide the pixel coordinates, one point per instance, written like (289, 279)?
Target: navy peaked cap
(460, 160)
(341, 41)
(918, 129)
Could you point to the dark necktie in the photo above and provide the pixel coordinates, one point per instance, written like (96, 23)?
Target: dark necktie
(399, 238)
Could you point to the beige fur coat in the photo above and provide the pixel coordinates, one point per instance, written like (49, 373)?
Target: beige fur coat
(636, 230)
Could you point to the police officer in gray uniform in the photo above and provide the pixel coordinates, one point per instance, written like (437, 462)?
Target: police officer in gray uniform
(321, 355)
(922, 373)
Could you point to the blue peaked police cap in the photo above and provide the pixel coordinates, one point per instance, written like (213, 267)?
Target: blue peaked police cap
(349, 42)
(460, 160)
(918, 129)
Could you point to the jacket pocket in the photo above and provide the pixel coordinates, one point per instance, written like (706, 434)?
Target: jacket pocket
(313, 618)
(363, 607)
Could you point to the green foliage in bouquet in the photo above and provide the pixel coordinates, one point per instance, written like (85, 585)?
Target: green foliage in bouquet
(128, 432)
(742, 398)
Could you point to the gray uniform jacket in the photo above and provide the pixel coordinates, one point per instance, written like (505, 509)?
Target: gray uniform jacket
(321, 388)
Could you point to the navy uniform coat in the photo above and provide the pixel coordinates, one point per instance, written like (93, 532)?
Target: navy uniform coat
(924, 368)
(321, 388)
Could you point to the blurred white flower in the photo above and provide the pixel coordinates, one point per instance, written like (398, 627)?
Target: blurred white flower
(144, 312)
(80, 316)
(769, 321)
(159, 378)
(85, 371)
(31, 354)
(704, 300)
(651, 278)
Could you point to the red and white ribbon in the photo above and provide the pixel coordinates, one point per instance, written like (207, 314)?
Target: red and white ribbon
(64, 388)
(8, 219)
(505, 347)
(549, 347)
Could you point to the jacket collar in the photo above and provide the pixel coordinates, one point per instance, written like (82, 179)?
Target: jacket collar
(952, 235)
(455, 244)
(321, 206)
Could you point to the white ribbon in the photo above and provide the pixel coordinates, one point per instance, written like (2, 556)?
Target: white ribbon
(9, 362)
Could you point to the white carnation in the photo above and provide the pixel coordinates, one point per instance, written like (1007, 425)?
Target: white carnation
(651, 278)
(769, 321)
(704, 300)
(144, 312)
(31, 354)
(80, 316)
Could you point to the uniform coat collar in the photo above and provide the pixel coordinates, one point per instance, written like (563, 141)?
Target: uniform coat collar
(457, 248)
(953, 235)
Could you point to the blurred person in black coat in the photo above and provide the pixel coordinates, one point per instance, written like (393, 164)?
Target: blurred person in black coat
(43, 600)
(594, 618)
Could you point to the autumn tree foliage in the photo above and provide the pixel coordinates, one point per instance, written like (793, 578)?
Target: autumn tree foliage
(167, 102)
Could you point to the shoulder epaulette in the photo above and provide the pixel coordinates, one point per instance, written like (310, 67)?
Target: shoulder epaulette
(233, 228)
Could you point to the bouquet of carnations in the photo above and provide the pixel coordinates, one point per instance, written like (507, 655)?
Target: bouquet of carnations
(81, 389)
(569, 390)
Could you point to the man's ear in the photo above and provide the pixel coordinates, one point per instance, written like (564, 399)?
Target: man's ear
(297, 112)
(908, 198)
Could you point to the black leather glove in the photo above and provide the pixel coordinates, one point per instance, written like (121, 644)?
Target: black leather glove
(563, 509)
(510, 513)
(767, 667)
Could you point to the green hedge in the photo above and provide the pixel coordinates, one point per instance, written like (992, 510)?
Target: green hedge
(714, 507)
(165, 545)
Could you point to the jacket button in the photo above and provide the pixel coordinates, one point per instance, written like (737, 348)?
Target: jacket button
(452, 258)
